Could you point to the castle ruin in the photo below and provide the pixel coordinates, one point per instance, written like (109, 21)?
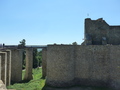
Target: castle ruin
(94, 63)
(98, 32)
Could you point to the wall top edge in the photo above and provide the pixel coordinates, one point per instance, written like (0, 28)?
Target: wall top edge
(83, 45)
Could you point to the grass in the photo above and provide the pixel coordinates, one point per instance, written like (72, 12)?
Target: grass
(36, 84)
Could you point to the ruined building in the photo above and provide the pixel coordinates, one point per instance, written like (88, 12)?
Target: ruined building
(98, 32)
(94, 63)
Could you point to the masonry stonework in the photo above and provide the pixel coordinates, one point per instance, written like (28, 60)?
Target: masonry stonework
(29, 64)
(44, 62)
(11, 65)
(0, 68)
(98, 32)
(8, 67)
(60, 64)
(92, 65)
(16, 65)
(3, 66)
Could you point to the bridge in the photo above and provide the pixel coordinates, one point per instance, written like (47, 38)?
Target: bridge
(21, 47)
(11, 62)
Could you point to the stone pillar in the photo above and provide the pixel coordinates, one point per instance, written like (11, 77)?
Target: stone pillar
(0, 68)
(44, 62)
(16, 65)
(29, 64)
(3, 66)
(2, 86)
(8, 76)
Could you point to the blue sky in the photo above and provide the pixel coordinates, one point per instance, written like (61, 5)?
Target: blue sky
(42, 22)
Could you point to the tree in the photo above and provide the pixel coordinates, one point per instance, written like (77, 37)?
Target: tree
(21, 45)
(74, 43)
(34, 58)
(37, 58)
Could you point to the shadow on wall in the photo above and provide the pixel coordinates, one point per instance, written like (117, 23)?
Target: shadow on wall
(91, 65)
(75, 88)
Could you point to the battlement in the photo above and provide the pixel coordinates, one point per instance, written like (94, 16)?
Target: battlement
(99, 32)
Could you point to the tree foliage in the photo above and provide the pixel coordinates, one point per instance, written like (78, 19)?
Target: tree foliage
(22, 44)
(74, 43)
(37, 58)
(37, 55)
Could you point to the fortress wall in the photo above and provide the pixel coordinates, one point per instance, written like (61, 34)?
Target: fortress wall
(96, 29)
(115, 66)
(92, 65)
(60, 65)
(82, 62)
(114, 34)
(44, 62)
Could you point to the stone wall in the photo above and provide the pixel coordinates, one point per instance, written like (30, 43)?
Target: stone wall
(3, 66)
(16, 65)
(93, 65)
(8, 67)
(114, 35)
(60, 65)
(44, 62)
(29, 64)
(98, 31)
(11, 65)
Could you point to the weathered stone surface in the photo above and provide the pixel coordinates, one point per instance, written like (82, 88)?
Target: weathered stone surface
(98, 29)
(44, 62)
(115, 66)
(3, 66)
(16, 65)
(92, 65)
(8, 71)
(60, 65)
(2, 86)
(29, 64)
(75, 88)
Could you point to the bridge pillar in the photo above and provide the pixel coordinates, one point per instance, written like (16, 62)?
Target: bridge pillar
(16, 65)
(3, 65)
(8, 67)
(29, 64)
(44, 62)
(0, 68)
